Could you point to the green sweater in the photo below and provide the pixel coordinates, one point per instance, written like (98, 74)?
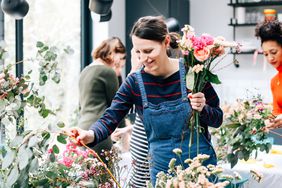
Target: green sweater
(97, 86)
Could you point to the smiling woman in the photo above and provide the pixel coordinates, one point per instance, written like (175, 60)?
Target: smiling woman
(159, 92)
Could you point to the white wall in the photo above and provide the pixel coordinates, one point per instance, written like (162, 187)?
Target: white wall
(213, 16)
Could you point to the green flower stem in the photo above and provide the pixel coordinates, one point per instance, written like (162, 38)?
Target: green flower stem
(197, 131)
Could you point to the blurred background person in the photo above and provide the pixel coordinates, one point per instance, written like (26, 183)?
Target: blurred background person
(98, 84)
(270, 34)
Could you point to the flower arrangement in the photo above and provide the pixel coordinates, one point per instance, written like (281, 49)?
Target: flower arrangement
(198, 175)
(73, 167)
(242, 132)
(34, 158)
(199, 53)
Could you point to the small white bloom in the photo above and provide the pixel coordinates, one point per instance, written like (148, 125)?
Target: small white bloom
(197, 68)
(177, 151)
(172, 163)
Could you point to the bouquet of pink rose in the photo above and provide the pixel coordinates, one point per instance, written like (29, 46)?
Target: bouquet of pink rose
(199, 54)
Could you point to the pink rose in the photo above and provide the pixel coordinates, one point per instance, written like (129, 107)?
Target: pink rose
(202, 54)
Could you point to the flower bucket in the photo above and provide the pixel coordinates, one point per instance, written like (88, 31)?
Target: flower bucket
(235, 183)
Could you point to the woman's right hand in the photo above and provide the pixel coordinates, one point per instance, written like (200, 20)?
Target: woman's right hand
(275, 123)
(81, 136)
(135, 62)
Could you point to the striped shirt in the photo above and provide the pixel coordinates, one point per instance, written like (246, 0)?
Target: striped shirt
(158, 90)
(139, 154)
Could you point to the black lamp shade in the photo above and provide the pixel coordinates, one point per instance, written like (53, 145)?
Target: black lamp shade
(107, 17)
(15, 8)
(172, 25)
(102, 7)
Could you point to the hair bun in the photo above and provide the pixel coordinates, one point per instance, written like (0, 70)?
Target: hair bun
(269, 30)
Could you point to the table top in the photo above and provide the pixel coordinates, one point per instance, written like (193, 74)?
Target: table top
(268, 164)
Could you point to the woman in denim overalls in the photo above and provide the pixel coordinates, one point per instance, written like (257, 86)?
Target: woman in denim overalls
(166, 128)
(165, 121)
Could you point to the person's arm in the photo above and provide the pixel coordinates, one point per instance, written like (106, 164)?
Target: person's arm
(277, 123)
(211, 114)
(120, 106)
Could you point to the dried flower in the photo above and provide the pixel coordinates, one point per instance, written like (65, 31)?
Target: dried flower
(177, 151)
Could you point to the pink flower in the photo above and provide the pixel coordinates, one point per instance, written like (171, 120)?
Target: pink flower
(198, 43)
(67, 161)
(207, 39)
(202, 54)
(71, 146)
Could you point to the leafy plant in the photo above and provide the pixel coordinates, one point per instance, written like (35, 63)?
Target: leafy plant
(72, 167)
(20, 154)
(242, 133)
(47, 56)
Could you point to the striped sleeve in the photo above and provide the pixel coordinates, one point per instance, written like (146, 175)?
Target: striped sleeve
(211, 114)
(121, 104)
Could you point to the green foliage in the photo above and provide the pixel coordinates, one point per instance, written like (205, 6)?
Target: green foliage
(20, 156)
(48, 60)
(242, 133)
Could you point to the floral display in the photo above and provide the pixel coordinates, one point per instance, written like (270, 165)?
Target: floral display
(73, 167)
(242, 133)
(200, 52)
(199, 176)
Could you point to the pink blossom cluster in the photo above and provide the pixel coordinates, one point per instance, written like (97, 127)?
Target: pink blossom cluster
(72, 154)
(204, 46)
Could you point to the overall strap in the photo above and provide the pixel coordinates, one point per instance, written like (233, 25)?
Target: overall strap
(142, 88)
(182, 79)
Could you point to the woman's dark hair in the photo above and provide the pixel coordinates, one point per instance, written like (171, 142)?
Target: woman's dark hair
(153, 28)
(107, 47)
(174, 51)
(269, 30)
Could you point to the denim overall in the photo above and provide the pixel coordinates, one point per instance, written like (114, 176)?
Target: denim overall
(166, 128)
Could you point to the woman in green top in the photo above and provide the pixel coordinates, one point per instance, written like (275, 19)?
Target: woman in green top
(98, 84)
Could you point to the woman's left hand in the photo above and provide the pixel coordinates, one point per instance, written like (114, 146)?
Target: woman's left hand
(197, 100)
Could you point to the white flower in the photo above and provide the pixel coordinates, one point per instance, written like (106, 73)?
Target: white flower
(188, 161)
(197, 68)
(172, 163)
(177, 151)
(220, 41)
(203, 157)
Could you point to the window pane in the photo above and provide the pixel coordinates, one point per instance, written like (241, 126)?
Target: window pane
(56, 23)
